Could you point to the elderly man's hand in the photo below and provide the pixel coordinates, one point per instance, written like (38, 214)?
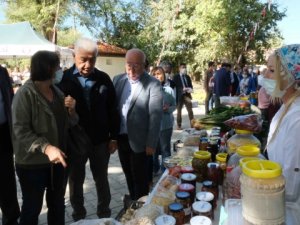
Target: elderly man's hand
(70, 104)
(150, 151)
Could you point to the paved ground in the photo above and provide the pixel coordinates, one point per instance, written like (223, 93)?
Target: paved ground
(117, 182)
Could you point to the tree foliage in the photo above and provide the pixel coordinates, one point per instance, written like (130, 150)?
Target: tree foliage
(192, 31)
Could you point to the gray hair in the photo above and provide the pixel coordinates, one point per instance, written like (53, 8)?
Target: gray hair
(136, 50)
(86, 44)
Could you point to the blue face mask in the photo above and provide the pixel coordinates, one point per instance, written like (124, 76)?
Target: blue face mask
(270, 86)
(58, 76)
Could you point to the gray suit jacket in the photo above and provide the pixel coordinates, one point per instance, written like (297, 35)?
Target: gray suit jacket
(145, 111)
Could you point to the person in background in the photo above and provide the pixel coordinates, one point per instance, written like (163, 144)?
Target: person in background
(96, 106)
(8, 190)
(234, 80)
(283, 146)
(167, 67)
(208, 75)
(222, 83)
(184, 89)
(166, 129)
(41, 116)
(140, 106)
(244, 88)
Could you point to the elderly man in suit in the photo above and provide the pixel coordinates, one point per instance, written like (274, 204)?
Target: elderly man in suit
(139, 98)
(184, 88)
(8, 189)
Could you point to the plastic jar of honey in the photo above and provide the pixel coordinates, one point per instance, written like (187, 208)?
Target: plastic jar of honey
(262, 188)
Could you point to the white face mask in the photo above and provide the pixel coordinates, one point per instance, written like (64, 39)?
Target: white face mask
(58, 76)
(270, 86)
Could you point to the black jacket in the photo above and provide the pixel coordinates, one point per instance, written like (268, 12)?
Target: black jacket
(179, 86)
(101, 121)
(7, 92)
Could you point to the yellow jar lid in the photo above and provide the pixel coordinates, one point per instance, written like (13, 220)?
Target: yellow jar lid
(247, 159)
(243, 131)
(262, 169)
(202, 155)
(248, 150)
(221, 157)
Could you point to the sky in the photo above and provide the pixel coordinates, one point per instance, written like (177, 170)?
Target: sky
(289, 26)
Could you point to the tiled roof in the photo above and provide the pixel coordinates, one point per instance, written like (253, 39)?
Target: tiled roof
(107, 49)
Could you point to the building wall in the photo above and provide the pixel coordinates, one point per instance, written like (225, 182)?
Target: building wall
(112, 65)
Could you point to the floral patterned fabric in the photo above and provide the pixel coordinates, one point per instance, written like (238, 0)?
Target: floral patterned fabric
(290, 58)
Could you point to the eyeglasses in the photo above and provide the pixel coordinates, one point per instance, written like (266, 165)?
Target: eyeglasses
(134, 65)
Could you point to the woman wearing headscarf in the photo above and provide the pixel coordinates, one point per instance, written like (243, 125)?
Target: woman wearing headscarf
(280, 81)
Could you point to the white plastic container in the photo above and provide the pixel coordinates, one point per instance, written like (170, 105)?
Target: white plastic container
(262, 188)
(165, 220)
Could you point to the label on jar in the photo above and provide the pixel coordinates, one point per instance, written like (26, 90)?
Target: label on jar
(187, 211)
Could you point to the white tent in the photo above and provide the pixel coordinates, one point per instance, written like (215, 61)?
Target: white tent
(21, 40)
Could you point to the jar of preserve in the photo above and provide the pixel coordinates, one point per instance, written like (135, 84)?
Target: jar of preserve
(165, 220)
(242, 137)
(209, 186)
(200, 220)
(203, 143)
(199, 163)
(262, 189)
(185, 199)
(188, 188)
(213, 172)
(187, 169)
(214, 147)
(206, 197)
(242, 152)
(188, 178)
(201, 208)
(221, 159)
(176, 210)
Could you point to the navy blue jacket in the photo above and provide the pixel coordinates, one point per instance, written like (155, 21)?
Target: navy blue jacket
(222, 82)
(101, 120)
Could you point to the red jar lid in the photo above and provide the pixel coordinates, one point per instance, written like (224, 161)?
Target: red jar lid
(187, 169)
(186, 187)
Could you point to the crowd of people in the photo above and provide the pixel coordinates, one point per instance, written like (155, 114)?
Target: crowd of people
(58, 120)
(49, 122)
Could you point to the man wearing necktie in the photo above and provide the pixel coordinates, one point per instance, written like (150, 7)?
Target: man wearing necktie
(184, 88)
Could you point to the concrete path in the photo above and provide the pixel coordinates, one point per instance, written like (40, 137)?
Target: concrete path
(117, 182)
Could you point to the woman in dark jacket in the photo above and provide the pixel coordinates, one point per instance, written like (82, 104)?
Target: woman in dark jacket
(40, 119)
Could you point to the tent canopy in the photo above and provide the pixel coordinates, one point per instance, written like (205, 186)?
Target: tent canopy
(21, 40)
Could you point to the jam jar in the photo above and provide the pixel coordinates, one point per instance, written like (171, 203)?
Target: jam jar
(176, 210)
(165, 220)
(199, 163)
(203, 143)
(187, 169)
(188, 188)
(189, 178)
(209, 186)
(206, 197)
(185, 199)
(201, 208)
(200, 220)
(214, 172)
(214, 147)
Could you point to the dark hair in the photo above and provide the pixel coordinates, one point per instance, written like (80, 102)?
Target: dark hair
(160, 69)
(211, 63)
(165, 64)
(43, 65)
(182, 64)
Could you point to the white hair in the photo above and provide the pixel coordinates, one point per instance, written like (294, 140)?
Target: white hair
(137, 51)
(86, 44)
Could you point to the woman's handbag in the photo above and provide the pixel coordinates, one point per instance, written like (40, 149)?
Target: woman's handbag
(79, 142)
